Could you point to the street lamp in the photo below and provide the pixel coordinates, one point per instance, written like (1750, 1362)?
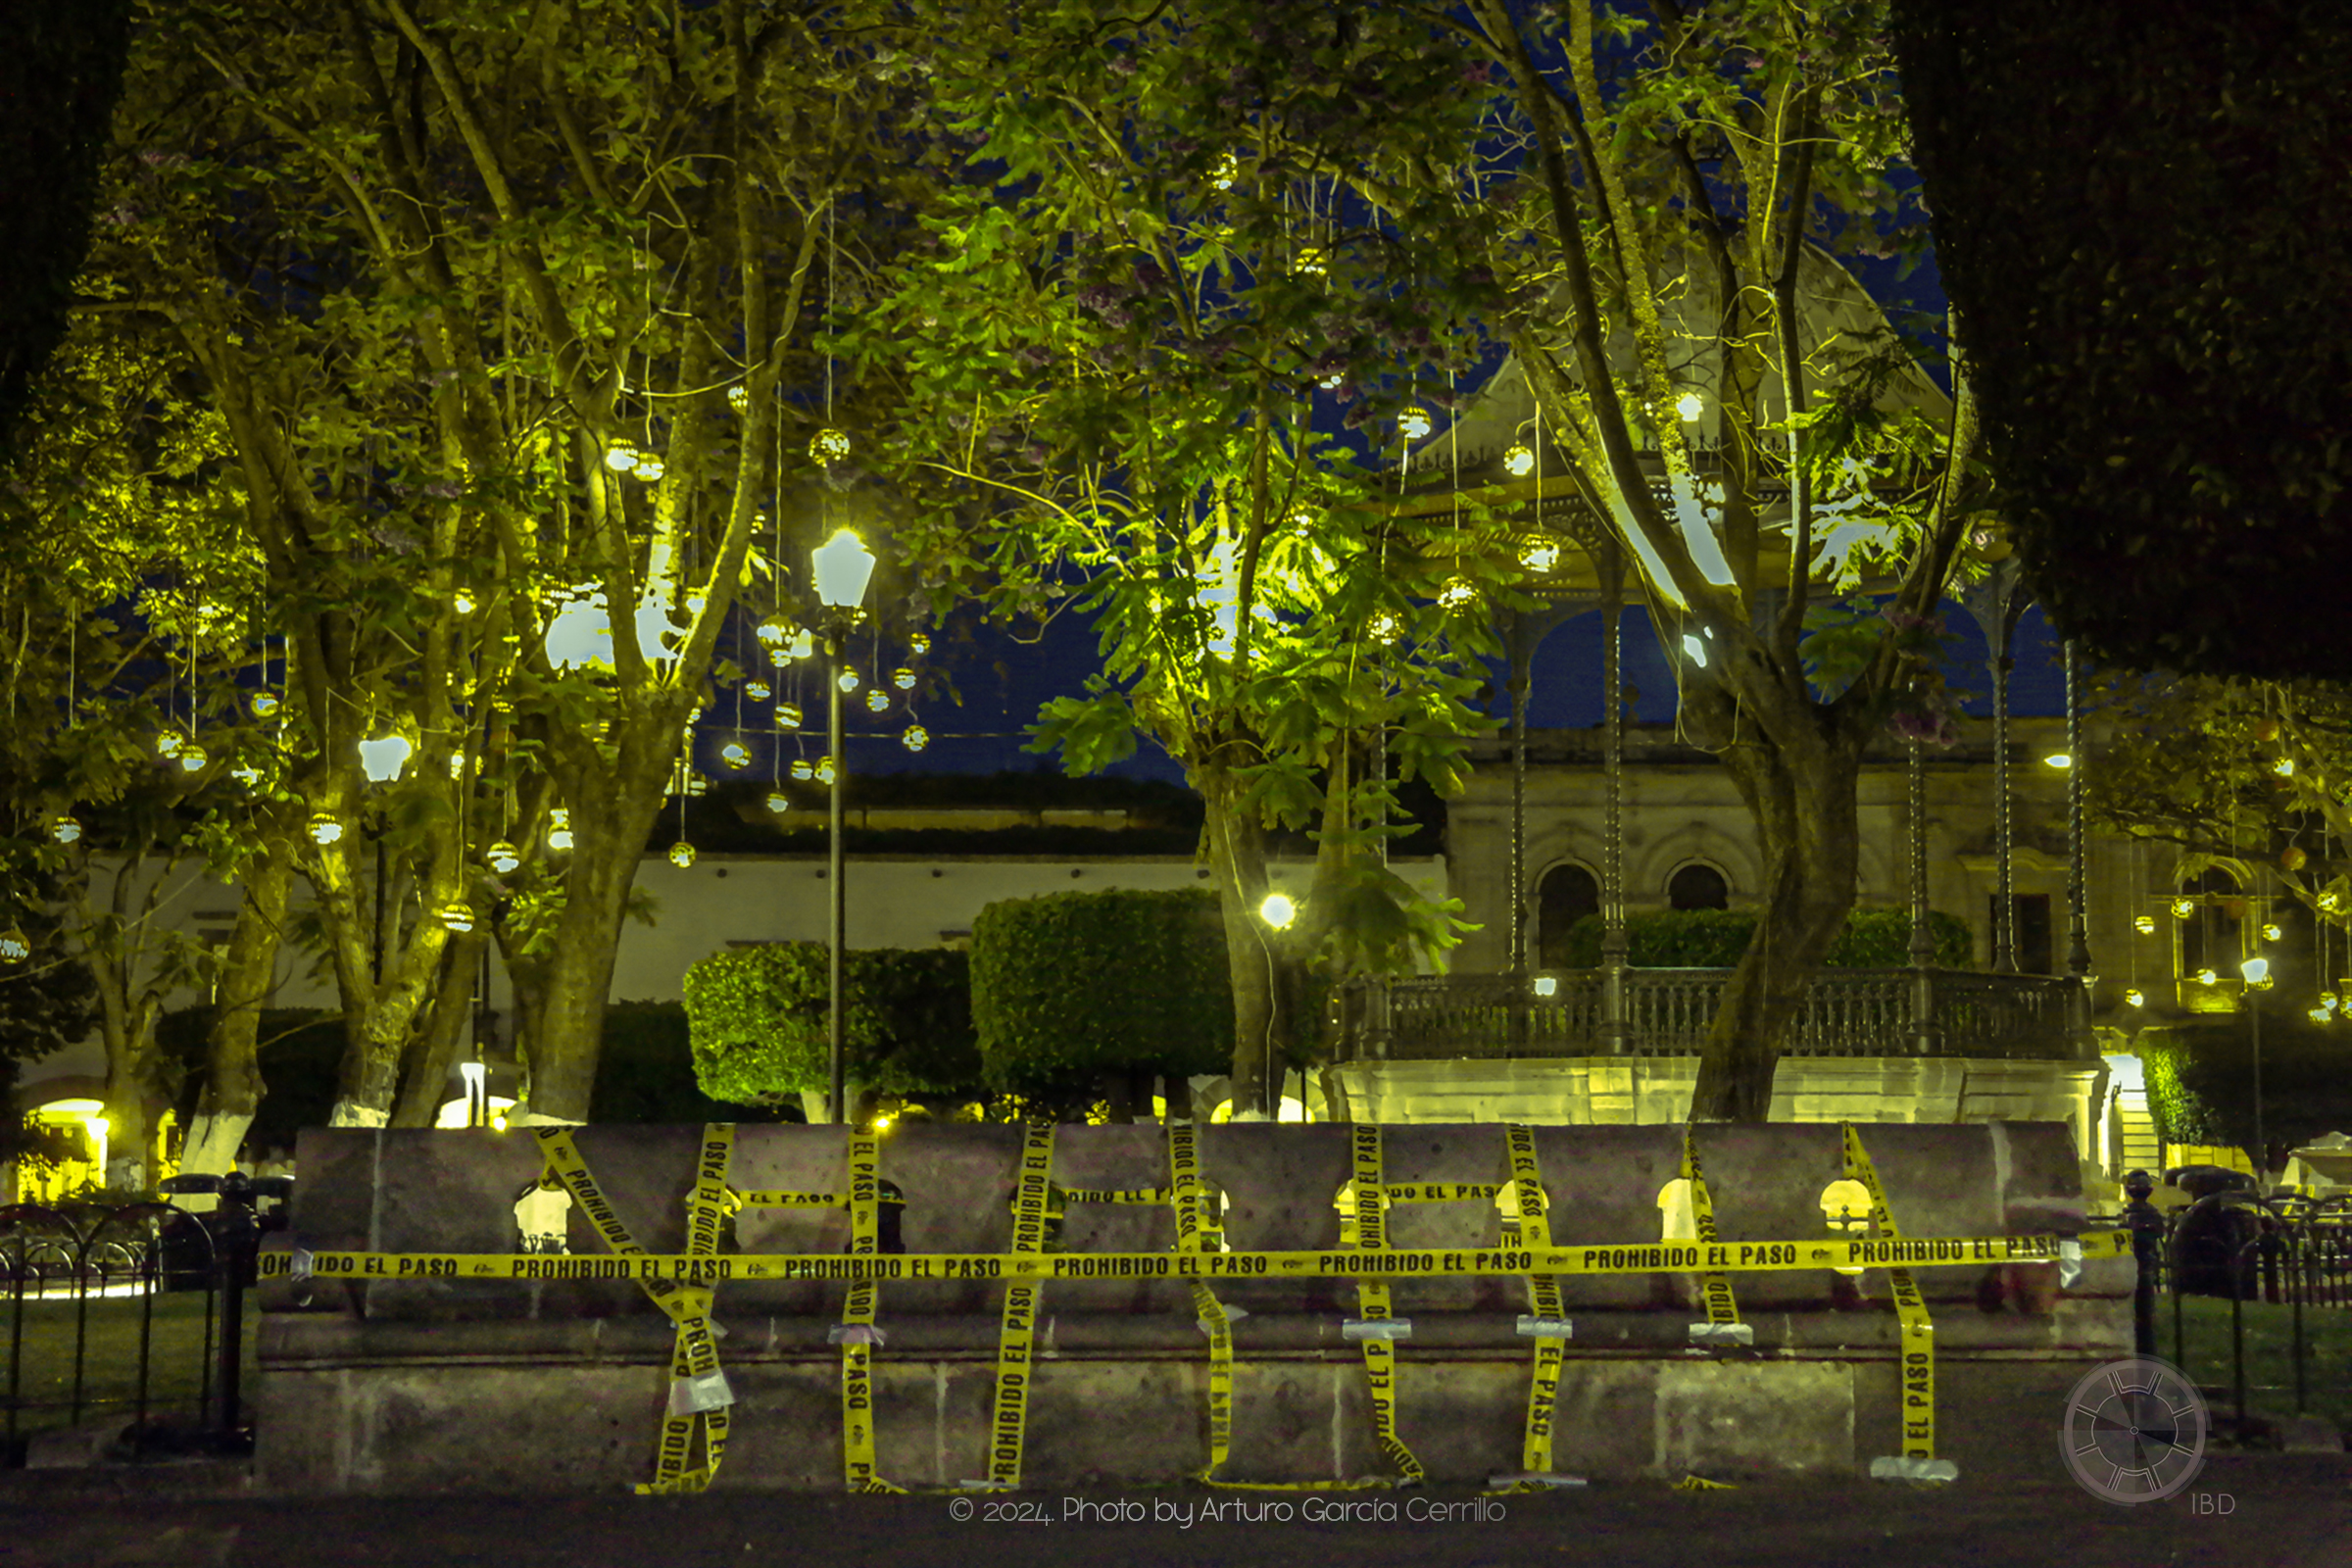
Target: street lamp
(843, 567)
(2257, 970)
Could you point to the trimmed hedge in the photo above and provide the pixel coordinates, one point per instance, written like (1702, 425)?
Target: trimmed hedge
(1070, 986)
(2200, 1079)
(758, 1021)
(1715, 939)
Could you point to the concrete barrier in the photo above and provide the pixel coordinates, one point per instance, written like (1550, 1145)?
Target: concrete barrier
(403, 1385)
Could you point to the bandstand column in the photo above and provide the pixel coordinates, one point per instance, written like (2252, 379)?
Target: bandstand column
(2078, 913)
(1613, 848)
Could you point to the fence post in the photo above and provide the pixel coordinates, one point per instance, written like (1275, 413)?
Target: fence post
(241, 1238)
(2147, 1224)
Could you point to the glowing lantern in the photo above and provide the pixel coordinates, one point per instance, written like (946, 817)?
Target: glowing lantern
(65, 830)
(801, 769)
(2206, 977)
(738, 399)
(1540, 557)
(503, 857)
(620, 457)
(904, 680)
(461, 601)
(14, 949)
(2134, 998)
(758, 691)
(824, 770)
(915, 738)
(2183, 909)
(1278, 911)
(324, 829)
(735, 755)
(649, 468)
(779, 804)
(920, 643)
(847, 680)
(265, 704)
(457, 917)
(2145, 924)
(559, 829)
(383, 760)
(2270, 933)
(829, 446)
(788, 716)
(1310, 263)
(1412, 425)
(169, 743)
(191, 758)
(1459, 594)
(771, 633)
(681, 855)
(877, 700)
(1228, 169)
(1689, 406)
(1519, 462)
(804, 644)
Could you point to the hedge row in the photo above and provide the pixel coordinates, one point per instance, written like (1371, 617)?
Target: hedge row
(1715, 939)
(759, 1020)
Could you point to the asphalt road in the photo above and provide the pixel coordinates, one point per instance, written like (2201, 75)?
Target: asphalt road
(2276, 1512)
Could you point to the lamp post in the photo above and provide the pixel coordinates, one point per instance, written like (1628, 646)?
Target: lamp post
(1279, 913)
(2257, 970)
(843, 567)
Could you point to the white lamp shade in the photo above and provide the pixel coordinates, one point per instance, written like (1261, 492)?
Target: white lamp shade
(843, 567)
(383, 760)
(2256, 971)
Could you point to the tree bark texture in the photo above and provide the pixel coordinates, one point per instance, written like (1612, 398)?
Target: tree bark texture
(232, 1083)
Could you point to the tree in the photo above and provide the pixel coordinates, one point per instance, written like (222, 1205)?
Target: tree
(2248, 775)
(504, 313)
(1174, 250)
(2138, 214)
(1682, 168)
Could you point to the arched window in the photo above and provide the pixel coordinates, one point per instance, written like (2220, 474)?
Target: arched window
(1566, 896)
(1697, 887)
(2209, 937)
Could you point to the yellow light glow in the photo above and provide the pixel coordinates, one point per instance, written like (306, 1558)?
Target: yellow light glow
(1310, 262)
(168, 744)
(904, 680)
(191, 758)
(1459, 594)
(498, 1121)
(2134, 998)
(2059, 759)
(2284, 768)
(829, 446)
(801, 769)
(681, 855)
(735, 755)
(882, 1122)
(2270, 933)
(918, 644)
(1540, 557)
(461, 601)
(1546, 985)
(324, 829)
(1519, 462)
(2206, 977)
(65, 830)
(1383, 627)
(757, 689)
(620, 457)
(503, 857)
(14, 948)
(2183, 909)
(788, 716)
(265, 704)
(915, 738)
(559, 829)
(825, 770)
(1412, 425)
(2256, 971)
(877, 700)
(1228, 169)
(650, 470)
(1689, 406)
(847, 680)
(1278, 911)
(457, 917)
(2145, 924)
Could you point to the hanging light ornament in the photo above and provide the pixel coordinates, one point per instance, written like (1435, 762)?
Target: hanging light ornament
(771, 633)
(191, 758)
(457, 764)
(829, 446)
(461, 601)
(620, 457)
(2270, 933)
(1412, 425)
(2145, 924)
(877, 700)
(1459, 594)
(65, 830)
(681, 855)
(779, 804)
(847, 680)
(559, 829)
(804, 644)
(503, 857)
(14, 949)
(383, 760)
(1519, 462)
(1383, 627)
(169, 743)
(758, 691)
(903, 680)
(265, 704)
(2135, 997)
(649, 468)
(458, 917)
(1540, 557)
(1228, 169)
(915, 738)
(2284, 768)
(919, 643)
(324, 829)
(1689, 406)
(736, 755)
(738, 399)
(824, 770)
(2183, 909)
(1311, 262)
(788, 716)
(801, 769)
(247, 776)
(2206, 977)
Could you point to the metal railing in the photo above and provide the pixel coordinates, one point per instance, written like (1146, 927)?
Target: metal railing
(134, 1310)
(1846, 1012)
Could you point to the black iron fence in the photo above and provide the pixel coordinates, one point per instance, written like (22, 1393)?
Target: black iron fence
(131, 1319)
(2284, 1264)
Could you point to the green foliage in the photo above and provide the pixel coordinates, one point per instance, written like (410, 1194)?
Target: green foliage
(1070, 986)
(2165, 412)
(1715, 939)
(645, 1070)
(759, 1020)
(2200, 1077)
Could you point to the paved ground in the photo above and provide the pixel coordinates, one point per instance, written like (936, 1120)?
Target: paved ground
(2290, 1512)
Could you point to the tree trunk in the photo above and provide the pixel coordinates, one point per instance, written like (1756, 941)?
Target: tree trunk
(232, 1083)
(1797, 780)
(1238, 856)
(426, 1084)
(130, 1067)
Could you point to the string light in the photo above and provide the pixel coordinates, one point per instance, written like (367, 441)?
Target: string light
(735, 755)
(1383, 627)
(191, 758)
(681, 855)
(904, 680)
(1459, 594)
(877, 700)
(920, 643)
(847, 680)
(757, 689)
(458, 917)
(915, 738)
(824, 770)
(1228, 169)
(779, 804)
(829, 446)
(801, 769)
(503, 857)
(1412, 425)
(788, 716)
(1519, 462)
(324, 829)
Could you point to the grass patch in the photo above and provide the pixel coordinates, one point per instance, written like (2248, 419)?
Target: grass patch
(110, 1358)
(2205, 1354)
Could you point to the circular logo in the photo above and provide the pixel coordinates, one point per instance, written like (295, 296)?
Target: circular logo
(2135, 1431)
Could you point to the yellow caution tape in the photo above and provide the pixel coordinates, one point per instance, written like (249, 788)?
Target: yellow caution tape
(1015, 1331)
(773, 1199)
(1372, 1302)
(1702, 1484)
(1544, 1305)
(1438, 1192)
(1723, 1312)
(1612, 1258)
(1115, 1195)
(1918, 1362)
(857, 1326)
(1192, 1240)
